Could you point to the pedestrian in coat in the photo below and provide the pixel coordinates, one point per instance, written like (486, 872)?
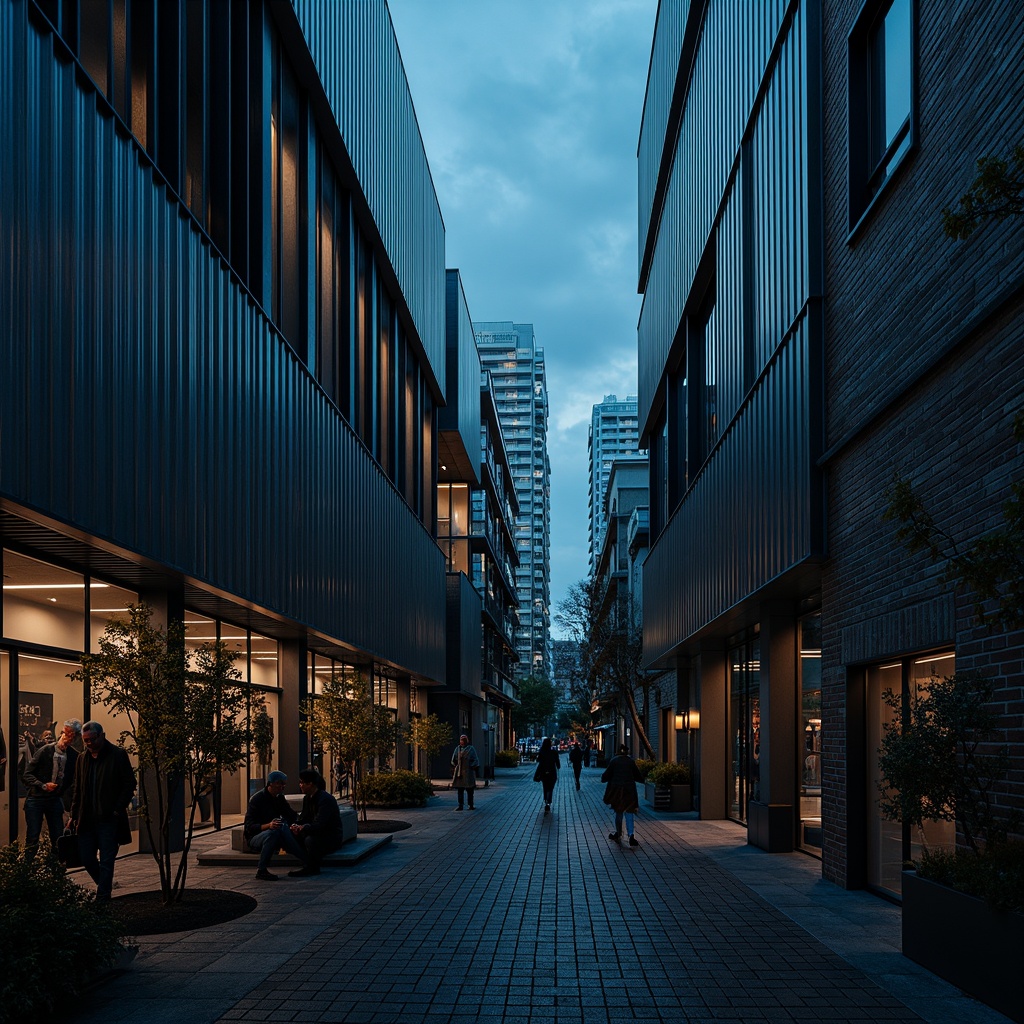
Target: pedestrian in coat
(319, 826)
(620, 794)
(548, 765)
(465, 765)
(576, 760)
(104, 787)
(50, 776)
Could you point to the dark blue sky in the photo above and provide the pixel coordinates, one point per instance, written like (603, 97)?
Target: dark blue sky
(530, 115)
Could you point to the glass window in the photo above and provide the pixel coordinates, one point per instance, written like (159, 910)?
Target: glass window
(809, 735)
(745, 727)
(891, 843)
(8, 749)
(881, 98)
(44, 604)
(106, 604)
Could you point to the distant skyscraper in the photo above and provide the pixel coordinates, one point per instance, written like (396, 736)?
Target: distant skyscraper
(613, 432)
(510, 352)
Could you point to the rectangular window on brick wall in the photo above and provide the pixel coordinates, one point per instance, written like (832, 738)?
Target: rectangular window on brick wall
(882, 99)
(891, 843)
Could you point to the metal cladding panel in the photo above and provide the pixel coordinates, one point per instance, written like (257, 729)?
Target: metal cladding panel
(145, 400)
(751, 515)
(728, 67)
(465, 635)
(356, 54)
(462, 414)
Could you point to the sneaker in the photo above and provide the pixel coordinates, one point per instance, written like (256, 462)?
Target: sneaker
(303, 872)
(633, 842)
(471, 807)
(547, 808)
(459, 808)
(614, 836)
(265, 876)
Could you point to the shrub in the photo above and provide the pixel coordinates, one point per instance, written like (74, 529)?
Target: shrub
(54, 937)
(645, 765)
(507, 758)
(400, 788)
(669, 774)
(997, 877)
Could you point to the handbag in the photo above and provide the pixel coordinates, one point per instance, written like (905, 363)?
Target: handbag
(67, 849)
(536, 774)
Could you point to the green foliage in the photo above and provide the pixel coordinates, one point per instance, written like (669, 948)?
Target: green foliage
(645, 764)
(185, 716)
(507, 758)
(664, 774)
(431, 734)
(262, 732)
(537, 699)
(992, 567)
(400, 788)
(997, 878)
(54, 937)
(935, 764)
(349, 721)
(997, 193)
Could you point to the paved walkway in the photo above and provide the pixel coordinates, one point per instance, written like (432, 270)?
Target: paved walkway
(505, 915)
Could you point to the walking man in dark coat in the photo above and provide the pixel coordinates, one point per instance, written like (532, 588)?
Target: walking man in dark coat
(50, 777)
(576, 760)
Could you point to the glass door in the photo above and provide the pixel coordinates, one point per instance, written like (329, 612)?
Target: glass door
(745, 727)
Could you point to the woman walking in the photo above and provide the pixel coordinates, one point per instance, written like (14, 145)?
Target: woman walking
(620, 794)
(464, 767)
(548, 764)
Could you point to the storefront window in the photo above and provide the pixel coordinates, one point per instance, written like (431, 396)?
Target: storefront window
(809, 735)
(106, 604)
(44, 604)
(745, 726)
(8, 749)
(891, 843)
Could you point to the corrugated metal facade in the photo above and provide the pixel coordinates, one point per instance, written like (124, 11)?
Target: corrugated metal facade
(738, 212)
(356, 54)
(145, 400)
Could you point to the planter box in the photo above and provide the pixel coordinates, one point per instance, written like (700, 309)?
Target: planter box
(669, 798)
(963, 940)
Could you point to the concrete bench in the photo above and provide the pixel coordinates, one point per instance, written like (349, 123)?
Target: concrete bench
(354, 846)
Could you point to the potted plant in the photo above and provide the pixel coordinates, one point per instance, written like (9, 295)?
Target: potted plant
(963, 910)
(672, 790)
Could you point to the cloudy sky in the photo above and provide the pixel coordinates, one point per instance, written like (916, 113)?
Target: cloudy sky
(530, 115)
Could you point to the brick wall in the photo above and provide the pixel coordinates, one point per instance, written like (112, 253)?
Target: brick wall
(924, 361)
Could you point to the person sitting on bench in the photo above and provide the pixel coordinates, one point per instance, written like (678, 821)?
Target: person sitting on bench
(268, 821)
(319, 825)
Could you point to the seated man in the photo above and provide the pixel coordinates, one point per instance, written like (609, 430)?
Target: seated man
(319, 826)
(267, 821)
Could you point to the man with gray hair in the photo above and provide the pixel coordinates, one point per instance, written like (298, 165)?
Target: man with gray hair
(104, 787)
(49, 777)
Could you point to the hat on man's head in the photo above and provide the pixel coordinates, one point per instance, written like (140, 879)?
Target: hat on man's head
(276, 777)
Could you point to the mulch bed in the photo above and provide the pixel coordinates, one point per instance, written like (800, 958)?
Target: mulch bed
(378, 825)
(143, 913)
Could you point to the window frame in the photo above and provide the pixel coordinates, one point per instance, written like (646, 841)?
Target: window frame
(862, 198)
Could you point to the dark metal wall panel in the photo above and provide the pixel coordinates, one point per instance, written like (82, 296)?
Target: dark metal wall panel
(730, 61)
(750, 516)
(144, 400)
(465, 635)
(356, 54)
(462, 392)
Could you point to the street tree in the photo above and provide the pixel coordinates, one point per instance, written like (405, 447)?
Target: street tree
(348, 720)
(537, 700)
(995, 194)
(432, 735)
(185, 718)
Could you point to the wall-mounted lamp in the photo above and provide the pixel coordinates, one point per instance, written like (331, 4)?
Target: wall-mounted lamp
(687, 720)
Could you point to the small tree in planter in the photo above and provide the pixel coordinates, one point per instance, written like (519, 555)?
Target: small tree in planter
(262, 735)
(431, 735)
(185, 721)
(349, 721)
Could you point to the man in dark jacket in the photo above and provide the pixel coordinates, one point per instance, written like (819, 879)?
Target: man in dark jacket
(104, 787)
(319, 825)
(576, 760)
(267, 826)
(50, 776)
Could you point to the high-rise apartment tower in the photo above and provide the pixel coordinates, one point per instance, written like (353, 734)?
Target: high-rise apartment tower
(510, 352)
(613, 432)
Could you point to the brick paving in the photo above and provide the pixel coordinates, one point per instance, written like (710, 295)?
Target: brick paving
(509, 916)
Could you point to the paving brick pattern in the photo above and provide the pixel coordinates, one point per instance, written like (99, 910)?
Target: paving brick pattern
(520, 918)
